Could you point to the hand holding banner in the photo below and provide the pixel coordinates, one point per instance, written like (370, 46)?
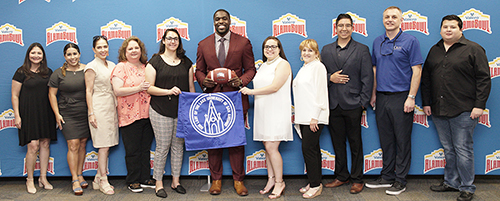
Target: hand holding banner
(211, 120)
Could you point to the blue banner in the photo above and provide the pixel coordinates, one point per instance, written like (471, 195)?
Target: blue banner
(211, 120)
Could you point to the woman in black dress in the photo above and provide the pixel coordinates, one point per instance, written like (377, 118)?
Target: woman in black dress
(33, 116)
(71, 111)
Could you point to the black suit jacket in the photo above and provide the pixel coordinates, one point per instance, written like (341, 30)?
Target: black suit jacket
(358, 65)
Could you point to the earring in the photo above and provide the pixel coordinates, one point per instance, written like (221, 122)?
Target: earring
(301, 59)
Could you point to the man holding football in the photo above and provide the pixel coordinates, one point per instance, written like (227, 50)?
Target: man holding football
(225, 49)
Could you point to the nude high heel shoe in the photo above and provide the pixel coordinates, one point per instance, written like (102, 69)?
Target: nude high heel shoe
(95, 183)
(46, 186)
(30, 186)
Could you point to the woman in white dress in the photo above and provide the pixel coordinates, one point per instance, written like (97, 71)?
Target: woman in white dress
(101, 106)
(272, 118)
(310, 89)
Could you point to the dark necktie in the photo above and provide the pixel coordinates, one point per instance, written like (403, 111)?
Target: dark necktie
(222, 52)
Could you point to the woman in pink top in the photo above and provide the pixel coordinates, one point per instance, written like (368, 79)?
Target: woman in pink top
(129, 85)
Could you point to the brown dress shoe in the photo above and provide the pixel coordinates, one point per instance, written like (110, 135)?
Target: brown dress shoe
(240, 188)
(356, 188)
(215, 188)
(335, 183)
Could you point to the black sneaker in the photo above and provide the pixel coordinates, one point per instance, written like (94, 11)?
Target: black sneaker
(379, 183)
(465, 196)
(442, 187)
(396, 189)
(135, 187)
(150, 183)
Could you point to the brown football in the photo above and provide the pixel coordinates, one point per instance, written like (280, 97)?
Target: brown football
(221, 75)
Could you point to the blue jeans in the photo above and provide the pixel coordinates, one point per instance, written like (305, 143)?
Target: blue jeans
(455, 134)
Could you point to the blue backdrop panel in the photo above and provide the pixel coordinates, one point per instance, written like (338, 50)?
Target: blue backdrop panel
(32, 18)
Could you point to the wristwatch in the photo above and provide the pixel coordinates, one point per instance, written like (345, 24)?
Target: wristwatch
(411, 96)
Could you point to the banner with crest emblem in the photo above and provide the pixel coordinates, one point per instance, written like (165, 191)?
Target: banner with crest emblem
(211, 120)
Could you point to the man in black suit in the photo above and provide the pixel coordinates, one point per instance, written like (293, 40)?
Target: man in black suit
(350, 75)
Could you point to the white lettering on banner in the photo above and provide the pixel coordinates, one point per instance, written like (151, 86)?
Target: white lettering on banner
(213, 125)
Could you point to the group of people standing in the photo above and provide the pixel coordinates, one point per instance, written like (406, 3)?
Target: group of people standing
(97, 99)
(331, 88)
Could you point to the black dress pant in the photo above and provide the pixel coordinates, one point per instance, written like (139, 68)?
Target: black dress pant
(312, 154)
(394, 130)
(137, 138)
(347, 124)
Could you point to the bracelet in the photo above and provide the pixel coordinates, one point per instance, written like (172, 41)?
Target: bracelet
(411, 96)
(91, 114)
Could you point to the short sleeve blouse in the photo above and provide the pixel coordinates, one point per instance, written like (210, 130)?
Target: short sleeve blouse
(136, 106)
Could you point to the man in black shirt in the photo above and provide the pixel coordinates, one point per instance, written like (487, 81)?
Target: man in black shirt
(350, 74)
(456, 84)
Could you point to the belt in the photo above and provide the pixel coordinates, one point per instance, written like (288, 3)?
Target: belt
(391, 93)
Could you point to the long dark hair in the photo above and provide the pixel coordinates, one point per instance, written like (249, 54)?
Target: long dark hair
(26, 67)
(66, 47)
(282, 52)
(179, 52)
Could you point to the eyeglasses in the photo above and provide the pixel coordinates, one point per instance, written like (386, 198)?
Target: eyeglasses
(388, 51)
(99, 37)
(272, 47)
(344, 25)
(172, 38)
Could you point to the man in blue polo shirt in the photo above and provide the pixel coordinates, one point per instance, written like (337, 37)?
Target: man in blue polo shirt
(397, 64)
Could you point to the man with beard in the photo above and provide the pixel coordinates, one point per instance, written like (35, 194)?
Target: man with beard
(228, 50)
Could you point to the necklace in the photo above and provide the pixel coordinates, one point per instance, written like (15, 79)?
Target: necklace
(173, 59)
(77, 67)
(271, 62)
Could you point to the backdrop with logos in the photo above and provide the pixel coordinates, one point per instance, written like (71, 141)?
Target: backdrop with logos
(55, 23)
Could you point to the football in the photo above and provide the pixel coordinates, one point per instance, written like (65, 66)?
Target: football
(221, 75)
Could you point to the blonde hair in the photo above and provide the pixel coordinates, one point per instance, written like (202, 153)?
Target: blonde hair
(397, 8)
(310, 43)
(123, 49)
